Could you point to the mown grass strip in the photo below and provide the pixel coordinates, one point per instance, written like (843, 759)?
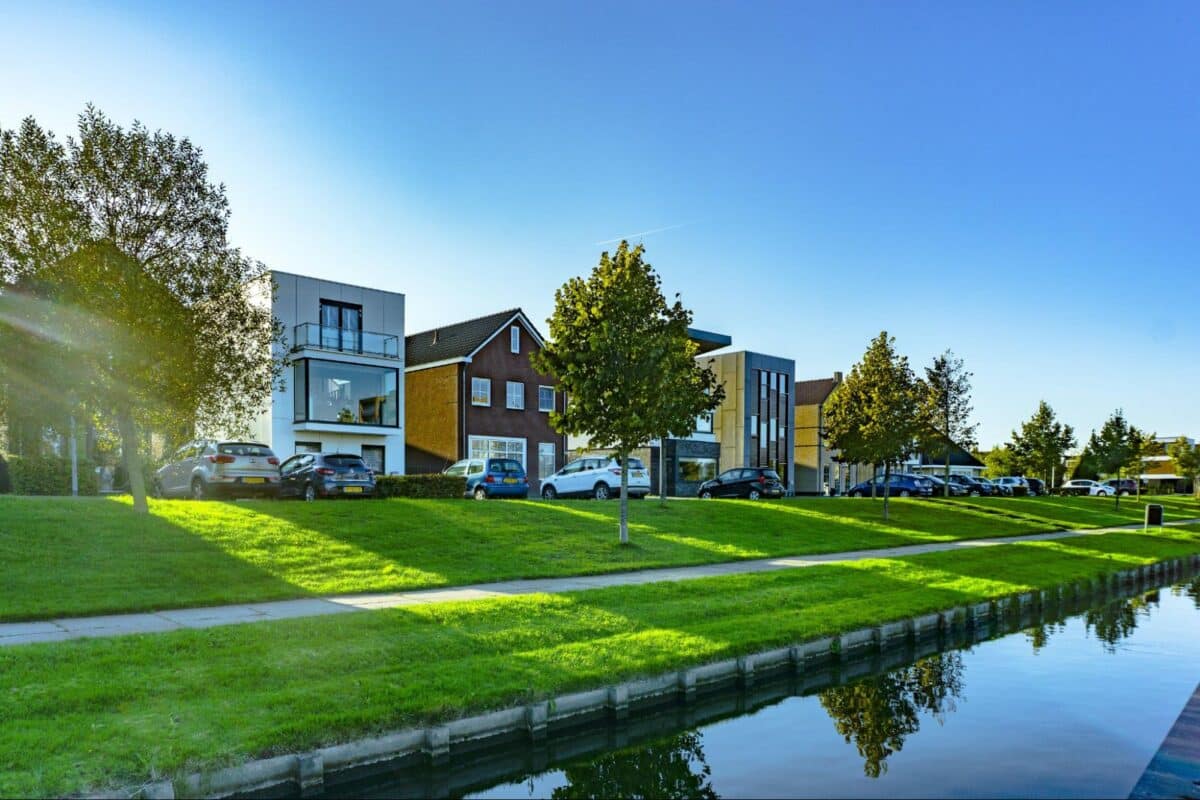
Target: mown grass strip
(116, 711)
(62, 557)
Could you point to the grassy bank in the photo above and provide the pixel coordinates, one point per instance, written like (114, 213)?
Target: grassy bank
(63, 557)
(116, 711)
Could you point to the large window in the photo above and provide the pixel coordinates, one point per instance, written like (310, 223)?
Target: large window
(496, 447)
(546, 459)
(516, 395)
(481, 391)
(348, 394)
(695, 470)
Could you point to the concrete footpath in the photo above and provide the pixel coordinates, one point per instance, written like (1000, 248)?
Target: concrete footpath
(18, 633)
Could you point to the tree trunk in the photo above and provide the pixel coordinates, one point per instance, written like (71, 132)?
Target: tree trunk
(887, 487)
(624, 459)
(946, 477)
(874, 472)
(1117, 493)
(132, 457)
(662, 472)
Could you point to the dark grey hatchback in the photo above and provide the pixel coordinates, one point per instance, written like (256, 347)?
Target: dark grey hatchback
(313, 475)
(749, 482)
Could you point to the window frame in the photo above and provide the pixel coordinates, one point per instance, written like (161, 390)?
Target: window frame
(301, 391)
(484, 381)
(514, 340)
(553, 397)
(508, 395)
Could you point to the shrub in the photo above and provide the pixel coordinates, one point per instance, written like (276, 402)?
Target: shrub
(5, 483)
(428, 486)
(47, 475)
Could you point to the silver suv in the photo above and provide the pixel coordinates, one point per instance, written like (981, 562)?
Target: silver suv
(598, 477)
(206, 468)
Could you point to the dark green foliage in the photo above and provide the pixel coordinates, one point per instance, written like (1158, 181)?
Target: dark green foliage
(1042, 444)
(5, 481)
(421, 486)
(47, 475)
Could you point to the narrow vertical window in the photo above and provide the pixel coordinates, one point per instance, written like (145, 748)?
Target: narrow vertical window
(514, 339)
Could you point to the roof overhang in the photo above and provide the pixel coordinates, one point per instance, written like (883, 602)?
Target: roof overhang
(707, 341)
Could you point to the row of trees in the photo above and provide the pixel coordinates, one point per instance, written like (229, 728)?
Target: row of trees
(882, 412)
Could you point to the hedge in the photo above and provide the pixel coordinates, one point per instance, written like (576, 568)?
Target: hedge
(430, 486)
(5, 483)
(48, 475)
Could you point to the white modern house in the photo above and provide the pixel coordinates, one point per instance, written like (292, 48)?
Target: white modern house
(344, 388)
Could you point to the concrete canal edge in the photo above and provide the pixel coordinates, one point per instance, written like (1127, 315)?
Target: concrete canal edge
(535, 720)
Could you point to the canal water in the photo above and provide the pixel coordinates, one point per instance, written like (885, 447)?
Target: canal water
(1072, 707)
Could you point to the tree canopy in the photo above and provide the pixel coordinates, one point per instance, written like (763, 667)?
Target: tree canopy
(873, 416)
(1040, 448)
(624, 358)
(1117, 447)
(946, 408)
(120, 287)
(1186, 458)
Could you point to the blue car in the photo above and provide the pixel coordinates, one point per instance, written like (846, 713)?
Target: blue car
(902, 485)
(491, 477)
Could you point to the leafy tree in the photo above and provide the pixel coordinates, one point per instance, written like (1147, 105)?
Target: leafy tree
(1042, 444)
(674, 768)
(1000, 462)
(120, 235)
(873, 416)
(1115, 447)
(946, 408)
(878, 714)
(1186, 458)
(618, 349)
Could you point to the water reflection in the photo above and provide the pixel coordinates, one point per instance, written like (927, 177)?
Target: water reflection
(1116, 621)
(670, 768)
(1191, 590)
(878, 713)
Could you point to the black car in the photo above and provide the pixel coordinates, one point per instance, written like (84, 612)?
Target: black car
(900, 485)
(313, 475)
(974, 487)
(939, 487)
(750, 482)
(1037, 488)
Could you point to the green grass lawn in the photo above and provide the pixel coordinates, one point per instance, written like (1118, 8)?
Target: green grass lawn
(117, 711)
(63, 557)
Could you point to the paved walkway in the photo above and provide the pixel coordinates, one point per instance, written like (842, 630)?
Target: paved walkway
(17, 633)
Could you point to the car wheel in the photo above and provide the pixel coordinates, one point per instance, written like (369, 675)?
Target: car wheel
(310, 492)
(973, 493)
(1125, 493)
(706, 495)
(199, 492)
(904, 493)
(480, 493)
(856, 493)
(754, 494)
(548, 493)
(601, 491)
(156, 490)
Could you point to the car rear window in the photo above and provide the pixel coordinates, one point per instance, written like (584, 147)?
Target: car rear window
(770, 474)
(240, 449)
(506, 465)
(353, 462)
(635, 463)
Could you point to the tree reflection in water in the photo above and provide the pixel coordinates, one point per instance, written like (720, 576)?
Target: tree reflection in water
(1117, 621)
(670, 768)
(878, 713)
(1191, 590)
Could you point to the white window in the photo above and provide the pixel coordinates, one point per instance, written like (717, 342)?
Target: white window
(704, 423)
(497, 447)
(514, 339)
(546, 459)
(516, 395)
(545, 398)
(481, 391)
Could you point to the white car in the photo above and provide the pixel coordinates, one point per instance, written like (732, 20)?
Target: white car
(1087, 487)
(598, 477)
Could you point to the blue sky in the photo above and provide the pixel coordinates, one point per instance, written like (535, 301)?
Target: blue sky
(1015, 181)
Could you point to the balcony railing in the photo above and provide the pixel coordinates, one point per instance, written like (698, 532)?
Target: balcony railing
(346, 340)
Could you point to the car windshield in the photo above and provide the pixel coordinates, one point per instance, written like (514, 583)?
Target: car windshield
(456, 469)
(244, 449)
(770, 474)
(349, 462)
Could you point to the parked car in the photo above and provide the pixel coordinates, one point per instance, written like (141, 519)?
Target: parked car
(1037, 487)
(598, 477)
(902, 485)
(749, 482)
(1123, 486)
(491, 477)
(975, 487)
(313, 475)
(998, 490)
(1018, 485)
(1082, 486)
(206, 468)
(956, 489)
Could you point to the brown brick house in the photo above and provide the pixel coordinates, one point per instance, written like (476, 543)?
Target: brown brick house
(470, 391)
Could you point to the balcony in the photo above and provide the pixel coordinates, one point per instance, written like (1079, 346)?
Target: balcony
(345, 340)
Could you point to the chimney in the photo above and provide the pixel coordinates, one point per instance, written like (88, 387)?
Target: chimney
(837, 378)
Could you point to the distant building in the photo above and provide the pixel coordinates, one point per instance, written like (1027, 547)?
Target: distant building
(1159, 474)
(817, 466)
(933, 462)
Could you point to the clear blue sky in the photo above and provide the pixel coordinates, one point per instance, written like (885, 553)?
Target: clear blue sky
(1015, 181)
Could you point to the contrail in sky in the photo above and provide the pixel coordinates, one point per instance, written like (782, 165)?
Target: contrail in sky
(643, 233)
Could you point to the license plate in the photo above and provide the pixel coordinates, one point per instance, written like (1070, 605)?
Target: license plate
(254, 480)
(637, 473)
(352, 490)
(510, 480)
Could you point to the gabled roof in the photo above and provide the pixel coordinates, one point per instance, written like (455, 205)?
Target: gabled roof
(461, 340)
(958, 457)
(815, 392)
